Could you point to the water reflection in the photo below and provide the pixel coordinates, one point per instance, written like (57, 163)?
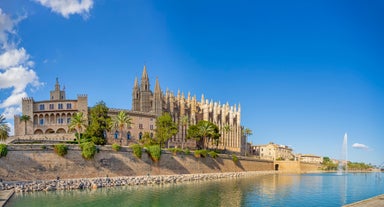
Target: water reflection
(266, 190)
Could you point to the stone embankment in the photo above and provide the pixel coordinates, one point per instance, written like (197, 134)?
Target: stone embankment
(93, 183)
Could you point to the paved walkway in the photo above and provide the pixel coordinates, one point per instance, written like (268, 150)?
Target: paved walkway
(377, 201)
(5, 195)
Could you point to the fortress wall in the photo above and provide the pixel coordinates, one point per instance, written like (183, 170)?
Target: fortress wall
(35, 162)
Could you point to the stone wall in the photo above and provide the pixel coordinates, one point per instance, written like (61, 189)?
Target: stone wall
(40, 162)
(297, 167)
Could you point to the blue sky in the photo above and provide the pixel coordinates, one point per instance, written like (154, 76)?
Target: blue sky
(304, 72)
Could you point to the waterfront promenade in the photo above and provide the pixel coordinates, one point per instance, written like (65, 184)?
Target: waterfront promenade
(377, 201)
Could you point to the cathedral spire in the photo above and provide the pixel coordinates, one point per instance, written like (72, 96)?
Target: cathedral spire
(157, 86)
(144, 75)
(136, 84)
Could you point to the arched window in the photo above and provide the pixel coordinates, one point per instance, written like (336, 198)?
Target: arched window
(116, 134)
(128, 135)
(140, 135)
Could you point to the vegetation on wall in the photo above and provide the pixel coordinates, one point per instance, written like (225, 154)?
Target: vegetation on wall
(60, 149)
(154, 152)
(235, 159)
(137, 150)
(3, 150)
(328, 164)
(116, 147)
(88, 150)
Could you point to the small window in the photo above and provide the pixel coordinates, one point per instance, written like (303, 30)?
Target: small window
(60, 106)
(140, 126)
(140, 135)
(151, 135)
(68, 120)
(69, 106)
(41, 106)
(51, 106)
(151, 127)
(129, 135)
(41, 122)
(116, 134)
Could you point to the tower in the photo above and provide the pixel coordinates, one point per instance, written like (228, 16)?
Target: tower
(157, 99)
(57, 94)
(145, 92)
(136, 96)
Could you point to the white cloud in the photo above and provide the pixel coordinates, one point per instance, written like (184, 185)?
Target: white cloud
(15, 68)
(360, 146)
(68, 7)
(13, 57)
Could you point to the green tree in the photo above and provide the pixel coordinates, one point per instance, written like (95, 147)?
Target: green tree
(100, 123)
(4, 128)
(246, 132)
(165, 128)
(25, 119)
(184, 120)
(78, 122)
(206, 130)
(147, 140)
(226, 130)
(121, 122)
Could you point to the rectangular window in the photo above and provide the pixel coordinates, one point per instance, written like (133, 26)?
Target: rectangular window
(140, 126)
(68, 120)
(41, 106)
(60, 120)
(69, 106)
(60, 106)
(41, 122)
(151, 127)
(51, 106)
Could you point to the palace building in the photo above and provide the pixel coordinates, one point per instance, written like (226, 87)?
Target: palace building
(49, 119)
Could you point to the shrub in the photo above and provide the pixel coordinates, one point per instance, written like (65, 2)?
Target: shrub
(3, 150)
(116, 147)
(175, 150)
(155, 152)
(213, 154)
(88, 150)
(43, 147)
(201, 153)
(187, 152)
(60, 149)
(235, 158)
(137, 150)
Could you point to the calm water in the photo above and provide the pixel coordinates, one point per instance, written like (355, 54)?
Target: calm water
(325, 189)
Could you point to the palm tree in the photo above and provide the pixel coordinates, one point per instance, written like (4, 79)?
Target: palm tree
(246, 133)
(226, 130)
(184, 122)
(78, 122)
(122, 121)
(4, 128)
(205, 130)
(25, 119)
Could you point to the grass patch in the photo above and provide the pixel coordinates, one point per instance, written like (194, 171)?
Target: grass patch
(235, 159)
